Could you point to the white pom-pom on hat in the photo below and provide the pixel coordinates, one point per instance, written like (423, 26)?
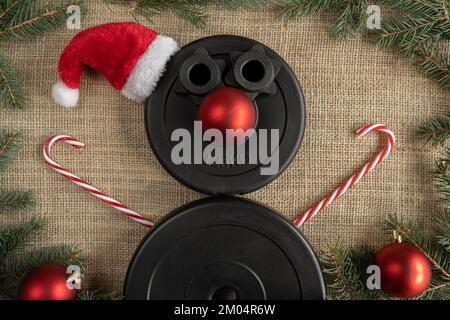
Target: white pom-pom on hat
(65, 96)
(130, 56)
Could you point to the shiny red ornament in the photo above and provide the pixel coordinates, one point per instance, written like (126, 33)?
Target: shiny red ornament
(227, 108)
(47, 282)
(405, 270)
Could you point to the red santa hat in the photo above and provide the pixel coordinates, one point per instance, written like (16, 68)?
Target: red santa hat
(130, 56)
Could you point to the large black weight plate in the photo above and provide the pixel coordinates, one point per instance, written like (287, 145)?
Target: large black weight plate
(167, 110)
(218, 244)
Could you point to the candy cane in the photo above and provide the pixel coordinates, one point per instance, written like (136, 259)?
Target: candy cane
(354, 179)
(83, 184)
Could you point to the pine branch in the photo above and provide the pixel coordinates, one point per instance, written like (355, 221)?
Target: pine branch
(190, 10)
(418, 36)
(441, 220)
(9, 146)
(414, 50)
(193, 11)
(337, 263)
(435, 64)
(7, 8)
(96, 295)
(439, 259)
(64, 255)
(347, 267)
(435, 131)
(18, 200)
(441, 176)
(418, 8)
(359, 12)
(11, 89)
(409, 30)
(294, 9)
(442, 226)
(343, 26)
(194, 14)
(240, 4)
(352, 18)
(13, 239)
(437, 290)
(28, 18)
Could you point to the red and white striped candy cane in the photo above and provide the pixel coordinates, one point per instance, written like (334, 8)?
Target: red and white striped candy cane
(85, 185)
(354, 179)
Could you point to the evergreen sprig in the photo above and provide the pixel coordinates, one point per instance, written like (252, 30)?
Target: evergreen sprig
(351, 15)
(15, 238)
(64, 255)
(442, 227)
(9, 146)
(29, 18)
(193, 11)
(97, 295)
(435, 131)
(240, 4)
(419, 35)
(190, 10)
(292, 9)
(431, 62)
(347, 268)
(442, 176)
(20, 19)
(16, 200)
(11, 88)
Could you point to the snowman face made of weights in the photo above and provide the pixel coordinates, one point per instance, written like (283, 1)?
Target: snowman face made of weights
(224, 247)
(226, 82)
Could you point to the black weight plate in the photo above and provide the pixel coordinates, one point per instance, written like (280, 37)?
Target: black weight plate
(218, 244)
(167, 109)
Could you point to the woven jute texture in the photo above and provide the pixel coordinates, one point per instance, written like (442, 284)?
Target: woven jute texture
(346, 84)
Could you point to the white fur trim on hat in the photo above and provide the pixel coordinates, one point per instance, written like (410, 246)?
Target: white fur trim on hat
(65, 96)
(149, 68)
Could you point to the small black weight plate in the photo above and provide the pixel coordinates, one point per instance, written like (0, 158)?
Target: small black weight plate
(224, 248)
(281, 106)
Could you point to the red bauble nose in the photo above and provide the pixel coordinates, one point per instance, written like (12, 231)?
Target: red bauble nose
(227, 108)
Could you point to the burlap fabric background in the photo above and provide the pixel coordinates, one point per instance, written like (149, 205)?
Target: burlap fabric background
(346, 84)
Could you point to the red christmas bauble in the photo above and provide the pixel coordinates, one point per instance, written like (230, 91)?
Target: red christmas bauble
(47, 282)
(405, 270)
(227, 108)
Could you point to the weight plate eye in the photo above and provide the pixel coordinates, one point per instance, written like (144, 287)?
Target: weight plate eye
(200, 74)
(254, 71)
